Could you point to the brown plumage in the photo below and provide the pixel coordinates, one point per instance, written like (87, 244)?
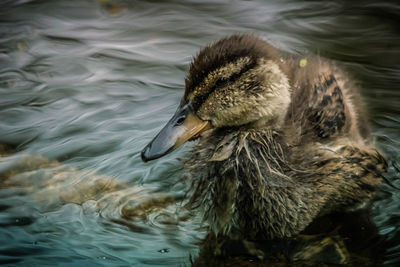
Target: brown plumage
(283, 140)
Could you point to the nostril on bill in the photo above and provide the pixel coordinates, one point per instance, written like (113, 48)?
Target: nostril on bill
(180, 120)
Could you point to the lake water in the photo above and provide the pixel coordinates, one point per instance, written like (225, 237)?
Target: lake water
(85, 85)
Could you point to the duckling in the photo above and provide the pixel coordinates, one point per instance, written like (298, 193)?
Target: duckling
(283, 140)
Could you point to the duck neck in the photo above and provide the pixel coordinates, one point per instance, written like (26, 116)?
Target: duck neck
(237, 178)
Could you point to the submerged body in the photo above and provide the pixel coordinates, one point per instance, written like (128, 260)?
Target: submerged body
(283, 140)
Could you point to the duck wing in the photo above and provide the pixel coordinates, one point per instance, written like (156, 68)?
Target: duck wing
(325, 105)
(326, 113)
(345, 176)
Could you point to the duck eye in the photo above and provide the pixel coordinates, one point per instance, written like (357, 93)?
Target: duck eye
(221, 81)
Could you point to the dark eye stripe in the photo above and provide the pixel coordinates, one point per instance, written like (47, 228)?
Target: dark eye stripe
(199, 99)
(246, 68)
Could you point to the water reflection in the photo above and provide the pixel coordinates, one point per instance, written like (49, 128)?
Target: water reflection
(85, 85)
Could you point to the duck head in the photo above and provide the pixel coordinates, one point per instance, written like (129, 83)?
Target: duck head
(235, 82)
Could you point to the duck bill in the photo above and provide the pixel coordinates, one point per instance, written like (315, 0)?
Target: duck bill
(183, 126)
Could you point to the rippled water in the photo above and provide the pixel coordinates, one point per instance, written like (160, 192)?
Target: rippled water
(84, 85)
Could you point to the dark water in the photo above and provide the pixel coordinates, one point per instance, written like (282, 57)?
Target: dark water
(84, 85)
